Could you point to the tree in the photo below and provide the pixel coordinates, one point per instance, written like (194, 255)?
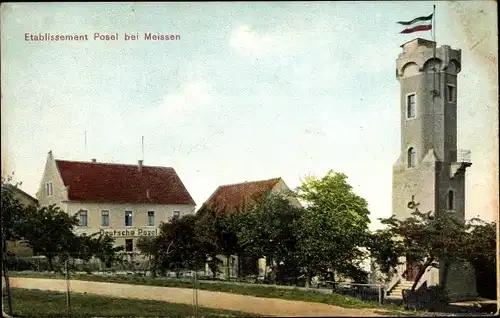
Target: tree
(218, 234)
(207, 227)
(179, 245)
(268, 230)
(424, 239)
(149, 247)
(11, 219)
(334, 227)
(12, 210)
(103, 248)
(480, 251)
(49, 231)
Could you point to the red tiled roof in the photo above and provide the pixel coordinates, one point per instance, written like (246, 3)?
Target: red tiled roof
(229, 198)
(119, 183)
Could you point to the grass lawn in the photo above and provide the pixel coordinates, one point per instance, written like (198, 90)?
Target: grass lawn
(251, 290)
(36, 303)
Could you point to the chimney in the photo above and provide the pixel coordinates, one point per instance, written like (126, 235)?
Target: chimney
(140, 165)
(94, 160)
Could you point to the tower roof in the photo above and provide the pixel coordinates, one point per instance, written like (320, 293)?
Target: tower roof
(417, 42)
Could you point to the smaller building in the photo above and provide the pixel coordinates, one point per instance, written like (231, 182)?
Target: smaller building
(125, 201)
(233, 198)
(20, 248)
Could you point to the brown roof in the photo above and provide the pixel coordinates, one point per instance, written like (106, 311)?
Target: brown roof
(229, 198)
(119, 183)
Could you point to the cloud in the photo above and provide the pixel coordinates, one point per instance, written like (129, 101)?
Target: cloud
(191, 97)
(247, 41)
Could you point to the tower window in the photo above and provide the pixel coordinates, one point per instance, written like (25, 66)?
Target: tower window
(450, 93)
(410, 106)
(451, 200)
(412, 157)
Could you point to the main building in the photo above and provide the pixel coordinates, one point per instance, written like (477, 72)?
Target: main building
(125, 201)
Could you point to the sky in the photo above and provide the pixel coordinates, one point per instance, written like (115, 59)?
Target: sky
(250, 91)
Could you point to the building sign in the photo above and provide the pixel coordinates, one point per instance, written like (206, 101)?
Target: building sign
(130, 232)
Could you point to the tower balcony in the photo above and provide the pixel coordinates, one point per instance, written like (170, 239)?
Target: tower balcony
(463, 162)
(463, 155)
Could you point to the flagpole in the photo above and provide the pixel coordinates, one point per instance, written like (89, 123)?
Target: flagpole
(433, 33)
(434, 91)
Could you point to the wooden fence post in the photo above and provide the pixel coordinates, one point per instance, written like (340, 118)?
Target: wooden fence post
(68, 303)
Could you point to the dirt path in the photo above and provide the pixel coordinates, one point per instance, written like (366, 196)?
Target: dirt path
(219, 300)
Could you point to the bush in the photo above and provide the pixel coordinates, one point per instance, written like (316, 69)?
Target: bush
(15, 263)
(430, 298)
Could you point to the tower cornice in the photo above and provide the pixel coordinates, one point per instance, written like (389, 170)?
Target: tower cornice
(418, 57)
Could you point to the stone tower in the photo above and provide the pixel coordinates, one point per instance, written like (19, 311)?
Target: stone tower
(429, 167)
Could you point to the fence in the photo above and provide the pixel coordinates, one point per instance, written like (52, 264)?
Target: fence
(370, 292)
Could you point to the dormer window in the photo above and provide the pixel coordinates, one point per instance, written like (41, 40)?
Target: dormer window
(48, 189)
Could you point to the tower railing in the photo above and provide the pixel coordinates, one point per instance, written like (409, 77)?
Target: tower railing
(463, 155)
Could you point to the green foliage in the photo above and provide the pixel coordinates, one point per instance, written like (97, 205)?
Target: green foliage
(49, 231)
(12, 210)
(179, 246)
(240, 289)
(28, 303)
(480, 243)
(423, 239)
(149, 246)
(217, 234)
(334, 226)
(480, 251)
(385, 250)
(268, 230)
(100, 246)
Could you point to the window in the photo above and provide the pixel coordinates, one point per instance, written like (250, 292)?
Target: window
(129, 245)
(82, 218)
(151, 218)
(412, 157)
(128, 218)
(450, 93)
(177, 214)
(104, 218)
(410, 106)
(451, 200)
(48, 189)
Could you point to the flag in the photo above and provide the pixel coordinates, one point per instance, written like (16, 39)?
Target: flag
(417, 24)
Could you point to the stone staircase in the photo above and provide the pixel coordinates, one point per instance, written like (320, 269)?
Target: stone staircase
(397, 291)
